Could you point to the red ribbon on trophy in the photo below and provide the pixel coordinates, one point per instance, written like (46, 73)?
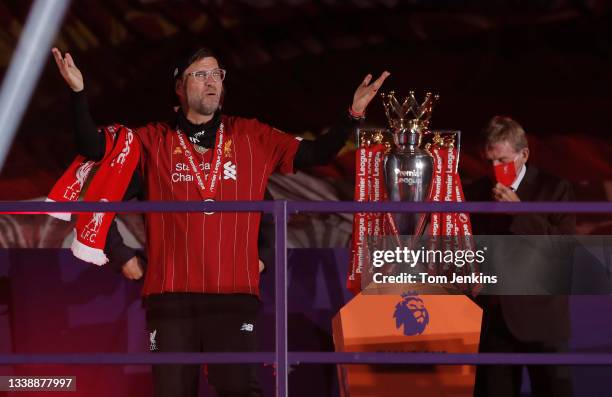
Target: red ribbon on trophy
(359, 257)
(449, 231)
(369, 186)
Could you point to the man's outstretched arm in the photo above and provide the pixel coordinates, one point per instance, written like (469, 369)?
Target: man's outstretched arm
(323, 149)
(90, 143)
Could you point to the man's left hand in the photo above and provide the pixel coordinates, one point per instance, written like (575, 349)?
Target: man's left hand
(132, 269)
(504, 193)
(366, 92)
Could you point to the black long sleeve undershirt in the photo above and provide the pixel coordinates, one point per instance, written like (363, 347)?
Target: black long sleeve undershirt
(91, 144)
(325, 147)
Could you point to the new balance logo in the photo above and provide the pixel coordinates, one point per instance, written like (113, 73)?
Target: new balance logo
(229, 170)
(246, 327)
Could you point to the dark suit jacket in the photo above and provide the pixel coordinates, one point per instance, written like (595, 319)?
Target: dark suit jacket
(529, 318)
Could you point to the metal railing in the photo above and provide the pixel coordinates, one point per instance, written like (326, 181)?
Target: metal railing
(282, 357)
(41, 25)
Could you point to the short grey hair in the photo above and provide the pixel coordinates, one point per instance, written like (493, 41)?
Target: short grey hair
(503, 128)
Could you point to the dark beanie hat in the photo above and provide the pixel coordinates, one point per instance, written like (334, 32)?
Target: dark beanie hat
(188, 58)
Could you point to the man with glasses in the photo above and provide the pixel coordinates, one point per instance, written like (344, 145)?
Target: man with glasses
(521, 324)
(202, 280)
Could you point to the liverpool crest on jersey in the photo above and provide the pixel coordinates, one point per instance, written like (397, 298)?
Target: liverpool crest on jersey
(227, 148)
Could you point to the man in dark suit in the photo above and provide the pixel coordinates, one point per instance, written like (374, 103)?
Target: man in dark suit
(520, 324)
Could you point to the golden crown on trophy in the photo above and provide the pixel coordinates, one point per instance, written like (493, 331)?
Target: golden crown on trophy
(409, 116)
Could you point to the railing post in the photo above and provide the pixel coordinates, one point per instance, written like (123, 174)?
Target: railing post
(280, 294)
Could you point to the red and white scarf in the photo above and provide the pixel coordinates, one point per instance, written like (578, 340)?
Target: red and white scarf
(112, 177)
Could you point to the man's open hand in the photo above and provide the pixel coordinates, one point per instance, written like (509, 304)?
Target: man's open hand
(366, 92)
(68, 70)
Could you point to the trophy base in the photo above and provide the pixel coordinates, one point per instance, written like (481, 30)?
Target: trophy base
(368, 324)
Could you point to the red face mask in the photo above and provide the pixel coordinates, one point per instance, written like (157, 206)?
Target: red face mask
(505, 173)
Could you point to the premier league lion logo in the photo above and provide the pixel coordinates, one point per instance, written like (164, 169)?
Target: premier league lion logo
(412, 314)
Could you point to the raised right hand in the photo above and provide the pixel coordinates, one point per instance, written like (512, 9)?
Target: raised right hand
(68, 70)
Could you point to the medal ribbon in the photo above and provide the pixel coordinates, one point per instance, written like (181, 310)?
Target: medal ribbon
(207, 187)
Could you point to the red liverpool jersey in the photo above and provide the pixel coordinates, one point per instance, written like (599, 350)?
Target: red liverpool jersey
(217, 252)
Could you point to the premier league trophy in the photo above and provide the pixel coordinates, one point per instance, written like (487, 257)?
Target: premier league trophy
(408, 167)
(409, 163)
